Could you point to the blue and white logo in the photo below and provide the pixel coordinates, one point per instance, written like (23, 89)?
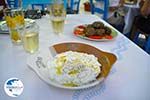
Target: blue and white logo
(13, 87)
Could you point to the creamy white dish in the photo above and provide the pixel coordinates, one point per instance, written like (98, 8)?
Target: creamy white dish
(74, 68)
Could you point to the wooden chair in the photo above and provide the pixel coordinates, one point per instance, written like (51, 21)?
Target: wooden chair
(42, 6)
(73, 7)
(13, 3)
(100, 10)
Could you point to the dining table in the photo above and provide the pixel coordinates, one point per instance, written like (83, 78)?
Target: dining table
(128, 79)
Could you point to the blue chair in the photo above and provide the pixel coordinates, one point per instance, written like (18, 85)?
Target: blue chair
(39, 5)
(43, 5)
(73, 7)
(14, 3)
(147, 45)
(139, 41)
(75, 3)
(99, 10)
(143, 43)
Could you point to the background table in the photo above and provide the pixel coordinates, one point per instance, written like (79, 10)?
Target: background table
(128, 79)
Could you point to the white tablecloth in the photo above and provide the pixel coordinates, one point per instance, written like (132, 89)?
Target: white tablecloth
(128, 79)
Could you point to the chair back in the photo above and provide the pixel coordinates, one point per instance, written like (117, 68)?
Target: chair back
(147, 45)
(14, 3)
(73, 6)
(43, 5)
(143, 43)
(100, 10)
(75, 3)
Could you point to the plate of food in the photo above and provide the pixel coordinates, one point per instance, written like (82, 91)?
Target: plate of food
(96, 31)
(4, 29)
(75, 65)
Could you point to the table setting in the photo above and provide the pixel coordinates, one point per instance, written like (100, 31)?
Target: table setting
(71, 58)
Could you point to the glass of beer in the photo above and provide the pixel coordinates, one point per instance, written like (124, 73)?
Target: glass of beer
(30, 37)
(14, 19)
(57, 16)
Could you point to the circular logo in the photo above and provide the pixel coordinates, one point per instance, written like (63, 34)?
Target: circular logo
(13, 87)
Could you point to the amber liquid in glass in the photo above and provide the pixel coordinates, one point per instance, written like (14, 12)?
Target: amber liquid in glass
(58, 15)
(14, 19)
(31, 42)
(58, 25)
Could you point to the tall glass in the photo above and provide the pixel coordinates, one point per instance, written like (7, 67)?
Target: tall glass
(30, 37)
(57, 16)
(14, 19)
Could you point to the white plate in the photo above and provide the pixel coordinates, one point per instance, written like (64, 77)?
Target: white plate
(4, 28)
(38, 63)
(114, 34)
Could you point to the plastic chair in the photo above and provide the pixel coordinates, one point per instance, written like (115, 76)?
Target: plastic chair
(73, 7)
(99, 10)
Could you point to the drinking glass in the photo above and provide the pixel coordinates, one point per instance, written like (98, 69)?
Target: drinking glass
(57, 16)
(30, 37)
(14, 18)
